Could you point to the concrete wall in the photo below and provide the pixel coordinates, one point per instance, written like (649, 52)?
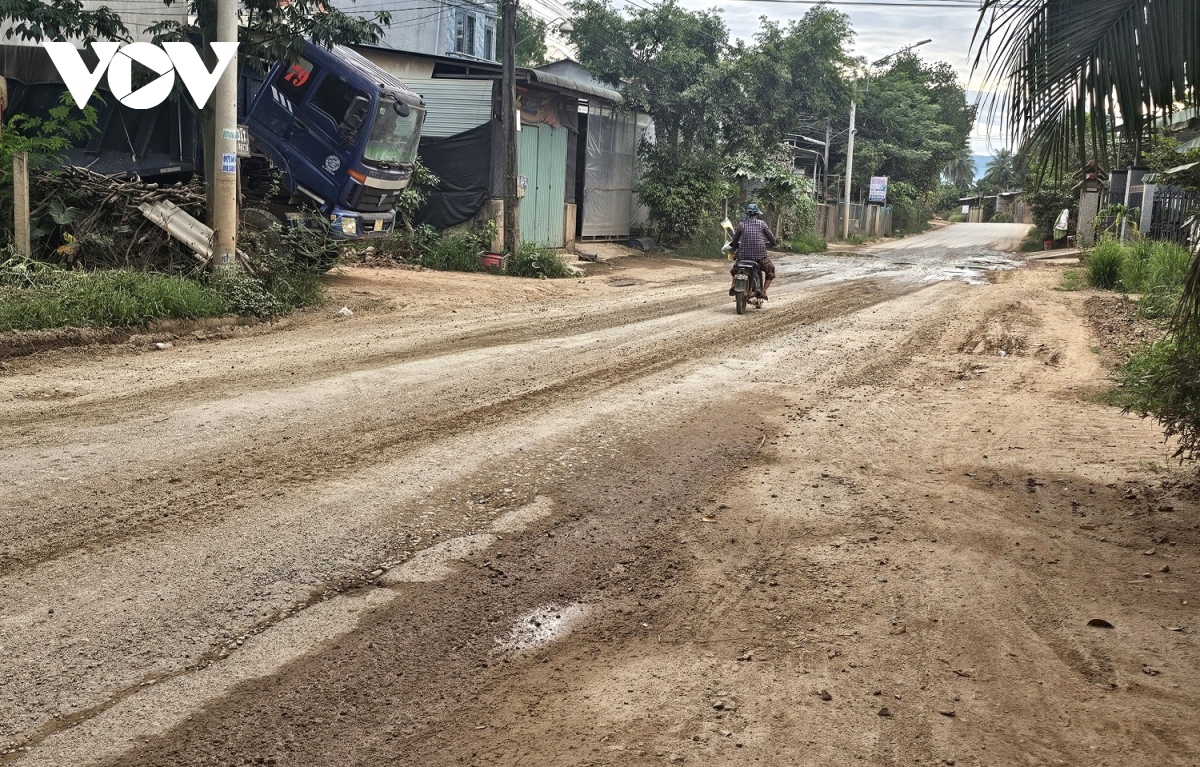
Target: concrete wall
(428, 26)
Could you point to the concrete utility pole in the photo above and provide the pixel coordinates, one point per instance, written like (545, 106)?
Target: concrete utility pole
(223, 166)
(21, 203)
(508, 119)
(825, 164)
(849, 173)
(850, 146)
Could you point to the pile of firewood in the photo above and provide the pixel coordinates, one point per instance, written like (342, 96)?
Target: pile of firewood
(94, 219)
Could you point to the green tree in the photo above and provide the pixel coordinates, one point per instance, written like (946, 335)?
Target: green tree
(531, 39)
(714, 105)
(913, 119)
(1001, 172)
(960, 171)
(39, 20)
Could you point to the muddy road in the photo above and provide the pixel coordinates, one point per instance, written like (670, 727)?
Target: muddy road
(604, 521)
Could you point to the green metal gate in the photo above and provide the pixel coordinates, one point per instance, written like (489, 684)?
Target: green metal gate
(542, 159)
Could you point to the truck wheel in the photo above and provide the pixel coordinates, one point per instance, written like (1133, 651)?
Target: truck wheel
(258, 220)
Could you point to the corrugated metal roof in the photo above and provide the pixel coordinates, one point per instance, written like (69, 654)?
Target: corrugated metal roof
(575, 86)
(453, 106)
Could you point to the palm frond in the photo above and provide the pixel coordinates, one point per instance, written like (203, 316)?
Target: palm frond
(1066, 72)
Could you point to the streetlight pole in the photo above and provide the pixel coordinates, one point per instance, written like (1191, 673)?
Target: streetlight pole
(508, 120)
(850, 142)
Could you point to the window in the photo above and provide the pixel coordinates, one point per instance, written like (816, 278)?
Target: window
(464, 32)
(334, 97)
(294, 81)
(489, 40)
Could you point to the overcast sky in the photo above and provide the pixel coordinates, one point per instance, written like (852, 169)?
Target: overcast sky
(879, 31)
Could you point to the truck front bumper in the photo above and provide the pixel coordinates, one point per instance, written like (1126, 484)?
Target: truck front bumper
(353, 225)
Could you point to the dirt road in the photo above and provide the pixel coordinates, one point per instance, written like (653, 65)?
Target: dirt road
(604, 521)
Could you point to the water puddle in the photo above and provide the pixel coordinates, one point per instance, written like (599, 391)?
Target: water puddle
(540, 627)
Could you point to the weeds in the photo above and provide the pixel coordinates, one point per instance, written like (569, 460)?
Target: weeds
(1103, 266)
(1071, 280)
(1032, 242)
(38, 296)
(807, 243)
(540, 263)
(106, 299)
(706, 244)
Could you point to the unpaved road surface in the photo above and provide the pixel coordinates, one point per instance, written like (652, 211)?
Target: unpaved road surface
(604, 521)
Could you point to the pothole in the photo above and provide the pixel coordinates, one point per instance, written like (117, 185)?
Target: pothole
(540, 627)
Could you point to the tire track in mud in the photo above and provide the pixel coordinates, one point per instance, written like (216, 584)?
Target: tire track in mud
(422, 346)
(199, 490)
(407, 670)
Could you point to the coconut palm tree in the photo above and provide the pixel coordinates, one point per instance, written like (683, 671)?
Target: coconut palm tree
(961, 170)
(1001, 171)
(1066, 71)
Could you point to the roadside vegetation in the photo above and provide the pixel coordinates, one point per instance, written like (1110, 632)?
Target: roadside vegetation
(1161, 379)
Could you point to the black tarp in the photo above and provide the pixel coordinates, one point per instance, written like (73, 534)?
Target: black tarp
(463, 165)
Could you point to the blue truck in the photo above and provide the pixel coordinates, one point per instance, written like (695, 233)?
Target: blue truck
(329, 134)
(338, 132)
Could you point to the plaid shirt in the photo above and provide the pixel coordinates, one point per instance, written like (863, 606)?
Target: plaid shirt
(752, 237)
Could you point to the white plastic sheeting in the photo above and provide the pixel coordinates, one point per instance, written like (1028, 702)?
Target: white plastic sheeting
(610, 172)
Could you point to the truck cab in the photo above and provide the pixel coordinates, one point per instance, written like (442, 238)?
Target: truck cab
(342, 133)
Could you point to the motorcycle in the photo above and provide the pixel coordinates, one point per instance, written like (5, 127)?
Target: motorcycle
(747, 284)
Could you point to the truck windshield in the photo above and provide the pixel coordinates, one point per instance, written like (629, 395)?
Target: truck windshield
(393, 139)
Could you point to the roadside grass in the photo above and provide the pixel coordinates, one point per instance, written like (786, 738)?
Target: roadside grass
(1154, 270)
(457, 250)
(1103, 265)
(1032, 242)
(107, 299)
(1072, 279)
(38, 296)
(807, 243)
(1162, 380)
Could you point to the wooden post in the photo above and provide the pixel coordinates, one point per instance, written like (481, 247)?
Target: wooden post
(21, 203)
(508, 120)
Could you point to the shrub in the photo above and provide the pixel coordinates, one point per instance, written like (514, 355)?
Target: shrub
(1135, 268)
(957, 217)
(1002, 218)
(1047, 203)
(680, 192)
(1162, 380)
(706, 243)
(1031, 243)
(1168, 265)
(448, 251)
(540, 263)
(911, 210)
(1104, 265)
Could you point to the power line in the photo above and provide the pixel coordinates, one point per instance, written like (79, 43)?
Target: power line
(943, 4)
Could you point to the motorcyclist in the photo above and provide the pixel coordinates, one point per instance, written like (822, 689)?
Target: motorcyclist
(750, 241)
